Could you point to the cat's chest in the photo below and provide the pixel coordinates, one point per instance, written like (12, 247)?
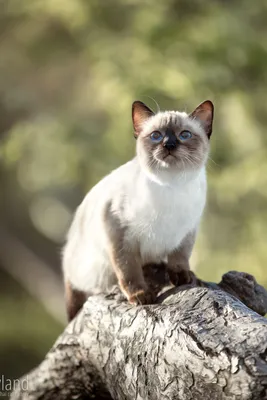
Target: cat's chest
(165, 215)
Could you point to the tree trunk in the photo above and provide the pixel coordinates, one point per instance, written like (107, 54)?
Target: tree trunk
(196, 343)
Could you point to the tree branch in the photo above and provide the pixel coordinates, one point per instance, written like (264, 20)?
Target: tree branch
(196, 343)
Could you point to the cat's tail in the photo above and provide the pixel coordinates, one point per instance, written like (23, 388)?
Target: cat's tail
(74, 300)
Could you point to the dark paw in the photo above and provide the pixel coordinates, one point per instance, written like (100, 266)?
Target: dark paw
(142, 297)
(184, 277)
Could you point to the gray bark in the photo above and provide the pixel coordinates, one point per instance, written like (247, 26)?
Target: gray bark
(196, 343)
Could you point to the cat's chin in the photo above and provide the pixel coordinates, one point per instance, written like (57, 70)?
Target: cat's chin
(168, 161)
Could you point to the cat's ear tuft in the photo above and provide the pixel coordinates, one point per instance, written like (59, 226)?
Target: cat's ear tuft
(140, 113)
(204, 113)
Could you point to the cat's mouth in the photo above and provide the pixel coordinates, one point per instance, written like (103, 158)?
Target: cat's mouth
(166, 157)
(169, 154)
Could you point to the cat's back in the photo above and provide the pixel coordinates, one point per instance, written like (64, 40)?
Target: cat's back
(86, 243)
(112, 186)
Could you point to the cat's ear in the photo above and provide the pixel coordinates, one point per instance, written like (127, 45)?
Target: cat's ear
(140, 113)
(204, 113)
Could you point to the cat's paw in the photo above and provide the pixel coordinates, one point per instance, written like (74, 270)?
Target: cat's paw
(183, 277)
(142, 297)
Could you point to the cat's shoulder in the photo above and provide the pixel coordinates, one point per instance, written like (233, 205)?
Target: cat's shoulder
(130, 168)
(114, 181)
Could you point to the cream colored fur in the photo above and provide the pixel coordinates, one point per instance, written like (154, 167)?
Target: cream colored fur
(159, 206)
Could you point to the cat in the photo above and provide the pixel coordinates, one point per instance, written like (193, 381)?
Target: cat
(147, 211)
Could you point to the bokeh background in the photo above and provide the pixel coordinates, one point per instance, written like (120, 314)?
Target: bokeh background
(69, 71)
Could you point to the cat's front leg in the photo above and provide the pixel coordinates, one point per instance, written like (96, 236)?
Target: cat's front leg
(178, 262)
(126, 261)
(130, 276)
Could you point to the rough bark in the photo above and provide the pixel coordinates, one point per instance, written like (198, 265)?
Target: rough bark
(196, 343)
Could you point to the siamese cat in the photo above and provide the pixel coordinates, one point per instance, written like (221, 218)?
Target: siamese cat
(145, 212)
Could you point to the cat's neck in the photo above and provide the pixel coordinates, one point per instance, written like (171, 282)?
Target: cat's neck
(169, 176)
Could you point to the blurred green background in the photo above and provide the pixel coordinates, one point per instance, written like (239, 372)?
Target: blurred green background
(69, 71)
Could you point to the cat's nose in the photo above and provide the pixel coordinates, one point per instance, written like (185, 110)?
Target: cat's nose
(169, 145)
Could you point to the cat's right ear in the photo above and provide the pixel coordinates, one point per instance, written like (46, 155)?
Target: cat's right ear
(140, 113)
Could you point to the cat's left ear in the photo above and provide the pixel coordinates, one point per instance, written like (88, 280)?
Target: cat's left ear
(204, 113)
(140, 113)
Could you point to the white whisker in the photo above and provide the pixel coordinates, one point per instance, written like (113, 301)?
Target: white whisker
(158, 107)
(214, 162)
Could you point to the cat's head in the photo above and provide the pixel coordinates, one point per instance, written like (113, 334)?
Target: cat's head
(172, 140)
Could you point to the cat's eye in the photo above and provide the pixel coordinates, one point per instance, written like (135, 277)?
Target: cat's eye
(185, 135)
(156, 137)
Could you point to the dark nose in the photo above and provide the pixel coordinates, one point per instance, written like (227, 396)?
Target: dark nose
(169, 145)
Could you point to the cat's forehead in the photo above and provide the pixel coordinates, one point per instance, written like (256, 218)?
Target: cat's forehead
(171, 119)
(168, 118)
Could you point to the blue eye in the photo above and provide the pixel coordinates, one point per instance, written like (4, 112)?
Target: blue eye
(185, 135)
(156, 137)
